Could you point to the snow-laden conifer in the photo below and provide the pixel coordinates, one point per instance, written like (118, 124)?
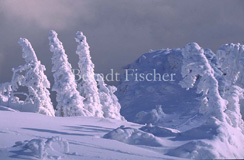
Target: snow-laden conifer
(31, 75)
(88, 85)
(69, 101)
(196, 66)
(230, 60)
(110, 105)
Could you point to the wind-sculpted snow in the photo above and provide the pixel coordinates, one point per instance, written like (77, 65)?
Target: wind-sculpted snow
(51, 148)
(133, 136)
(160, 131)
(210, 142)
(193, 150)
(74, 138)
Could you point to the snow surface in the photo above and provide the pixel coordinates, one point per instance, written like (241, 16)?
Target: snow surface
(160, 131)
(133, 136)
(31, 136)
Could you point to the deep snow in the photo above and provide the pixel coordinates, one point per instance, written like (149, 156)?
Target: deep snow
(83, 135)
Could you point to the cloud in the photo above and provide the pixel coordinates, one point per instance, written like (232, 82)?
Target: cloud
(59, 14)
(117, 31)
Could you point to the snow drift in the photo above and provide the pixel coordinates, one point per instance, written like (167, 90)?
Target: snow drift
(159, 131)
(43, 148)
(133, 136)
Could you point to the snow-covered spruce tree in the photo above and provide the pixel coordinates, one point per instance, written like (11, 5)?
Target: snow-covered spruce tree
(69, 101)
(110, 105)
(230, 60)
(88, 85)
(196, 66)
(31, 75)
(233, 95)
(215, 121)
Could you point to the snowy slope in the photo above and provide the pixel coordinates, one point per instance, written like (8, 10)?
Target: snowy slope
(35, 136)
(84, 136)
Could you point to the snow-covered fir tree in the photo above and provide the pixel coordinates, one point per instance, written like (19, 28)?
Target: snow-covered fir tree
(88, 85)
(110, 105)
(233, 96)
(230, 60)
(69, 101)
(220, 113)
(31, 75)
(196, 66)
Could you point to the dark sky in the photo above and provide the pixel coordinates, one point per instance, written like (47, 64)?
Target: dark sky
(118, 31)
